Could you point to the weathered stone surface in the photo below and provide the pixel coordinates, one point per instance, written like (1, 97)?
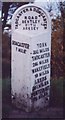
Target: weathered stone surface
(31, 52)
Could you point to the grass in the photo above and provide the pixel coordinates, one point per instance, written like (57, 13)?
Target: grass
(6, 97)
(56, 94)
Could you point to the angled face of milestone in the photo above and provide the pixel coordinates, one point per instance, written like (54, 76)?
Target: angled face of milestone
(30, 20)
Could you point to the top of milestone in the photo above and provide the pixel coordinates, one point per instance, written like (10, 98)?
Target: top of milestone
(31, 19)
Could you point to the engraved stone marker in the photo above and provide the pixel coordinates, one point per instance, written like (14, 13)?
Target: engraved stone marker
(30, 57)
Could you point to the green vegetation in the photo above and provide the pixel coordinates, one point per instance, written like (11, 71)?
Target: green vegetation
(56, 92)
(6, 97)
